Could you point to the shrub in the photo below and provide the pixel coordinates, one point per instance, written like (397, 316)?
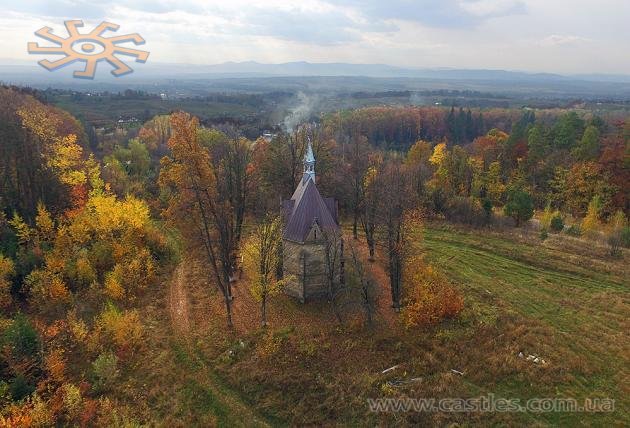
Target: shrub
(556, 224)
(543, 234)
(104, 372)
(270, 344)
(547, 214)
(438, 200)
(164, 244)
(574, 230)
(122, 329)
(625, 237)
(430, 298)
(465, 211)
(614, 242)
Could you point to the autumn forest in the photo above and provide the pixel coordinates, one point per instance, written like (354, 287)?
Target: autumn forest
(141, 265)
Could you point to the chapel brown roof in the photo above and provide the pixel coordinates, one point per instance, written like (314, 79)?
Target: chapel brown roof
(308, 208)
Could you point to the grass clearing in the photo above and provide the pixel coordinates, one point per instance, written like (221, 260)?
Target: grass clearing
(584, 305)
(569, 307)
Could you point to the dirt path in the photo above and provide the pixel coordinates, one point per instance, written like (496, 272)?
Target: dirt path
(229, 409)
(178, 302)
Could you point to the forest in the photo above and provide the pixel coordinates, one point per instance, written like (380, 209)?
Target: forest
(101, 231)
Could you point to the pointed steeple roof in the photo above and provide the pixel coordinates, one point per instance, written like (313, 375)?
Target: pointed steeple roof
(309, 157)
(309, 162)
(308, 208)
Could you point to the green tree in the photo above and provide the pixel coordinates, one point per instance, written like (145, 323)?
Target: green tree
(537, 144)
(568, 130)
(519, 206)
(588, 147)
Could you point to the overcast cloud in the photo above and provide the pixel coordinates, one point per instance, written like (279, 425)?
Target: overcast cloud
(565, 36)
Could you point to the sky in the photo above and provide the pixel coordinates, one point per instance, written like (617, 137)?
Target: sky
(559, 36)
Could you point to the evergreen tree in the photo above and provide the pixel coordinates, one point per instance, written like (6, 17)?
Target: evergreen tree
(451, 124)
(588, 147)
(568, 130)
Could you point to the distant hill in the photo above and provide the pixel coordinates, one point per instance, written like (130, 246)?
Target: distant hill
(212, 78)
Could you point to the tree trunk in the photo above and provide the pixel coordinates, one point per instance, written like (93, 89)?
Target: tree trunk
(395, 279)
(228, 307)
(263, 308)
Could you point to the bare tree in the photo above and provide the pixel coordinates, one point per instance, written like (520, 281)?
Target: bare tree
(372, 190)
(333, 258)
(396, 225)
(358, 290)
(232, 160)
(358, 153)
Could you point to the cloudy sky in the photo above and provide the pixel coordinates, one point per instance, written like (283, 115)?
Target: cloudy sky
(565, 36)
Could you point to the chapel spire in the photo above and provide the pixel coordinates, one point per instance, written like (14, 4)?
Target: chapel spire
(309, 161)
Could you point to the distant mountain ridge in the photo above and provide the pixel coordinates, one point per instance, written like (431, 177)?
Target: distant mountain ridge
(304, 68)
(193, 79)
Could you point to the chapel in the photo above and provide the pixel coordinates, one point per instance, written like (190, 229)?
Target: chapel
(311, 227)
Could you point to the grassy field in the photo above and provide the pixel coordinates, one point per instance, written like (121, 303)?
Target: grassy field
(562, 300)
(108, 111)
(567, 286)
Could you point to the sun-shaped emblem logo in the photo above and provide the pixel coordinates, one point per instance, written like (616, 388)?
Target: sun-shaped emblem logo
(89, 48)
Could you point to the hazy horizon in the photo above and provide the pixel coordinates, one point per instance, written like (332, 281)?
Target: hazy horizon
(534, 36)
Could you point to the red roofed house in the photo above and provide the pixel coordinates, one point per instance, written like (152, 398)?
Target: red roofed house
(311, 227)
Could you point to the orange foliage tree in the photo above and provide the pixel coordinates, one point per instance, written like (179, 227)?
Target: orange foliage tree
(195, 205)
(429, 297)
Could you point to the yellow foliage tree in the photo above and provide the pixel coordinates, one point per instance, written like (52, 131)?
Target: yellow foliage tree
(44, 223)
(261, 257)
(591, 223)
(22, 230)
(440, 155)
(7, 270)
(420, 153)
(105, 239)
(202, 213)
(123, 329)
